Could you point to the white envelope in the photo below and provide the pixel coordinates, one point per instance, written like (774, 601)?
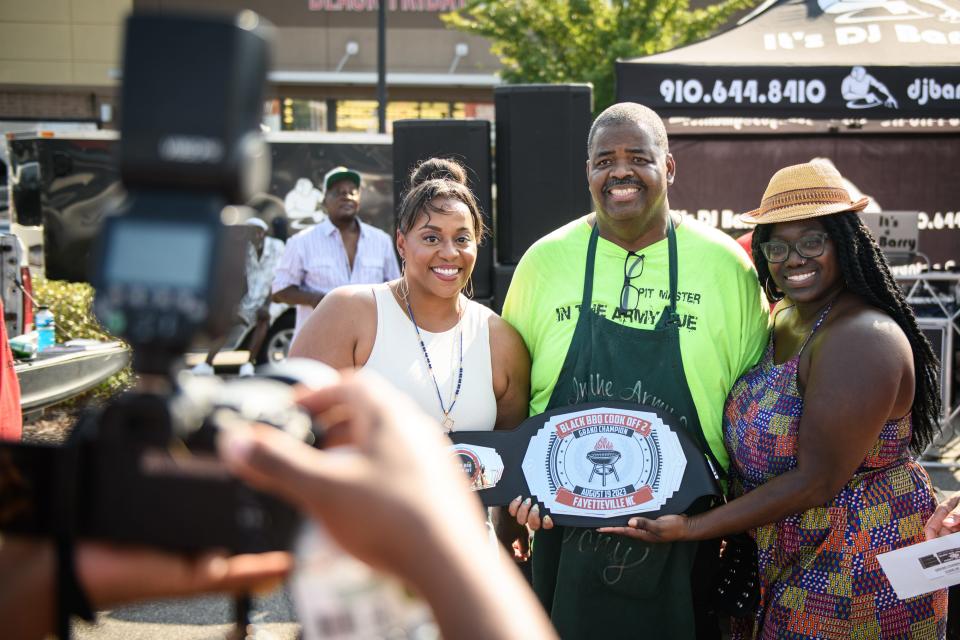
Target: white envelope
(924, 567)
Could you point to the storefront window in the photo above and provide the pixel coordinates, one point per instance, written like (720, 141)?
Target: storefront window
(357, 116)
(361, 115)
(292, 114)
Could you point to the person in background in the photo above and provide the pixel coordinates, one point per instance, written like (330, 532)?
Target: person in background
(385, 436)
(462, 364)
(270, 208)
(340, 250)
(263, 255)
(664, 310)
(280, 228)
(820, 432)
(11, 418)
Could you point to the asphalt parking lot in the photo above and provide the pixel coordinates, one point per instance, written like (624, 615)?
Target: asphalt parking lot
(210, 618)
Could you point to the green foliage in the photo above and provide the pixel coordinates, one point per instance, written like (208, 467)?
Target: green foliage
(71, 305)
(560, 41)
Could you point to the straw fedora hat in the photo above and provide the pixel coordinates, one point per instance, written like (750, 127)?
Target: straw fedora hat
(804, 191)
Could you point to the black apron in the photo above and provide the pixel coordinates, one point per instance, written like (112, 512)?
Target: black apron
(597, 585)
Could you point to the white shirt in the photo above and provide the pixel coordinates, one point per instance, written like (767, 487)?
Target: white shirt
(260, 274)
(398, 357)
(316, 260)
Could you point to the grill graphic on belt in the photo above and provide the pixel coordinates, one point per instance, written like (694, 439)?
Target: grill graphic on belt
(604, 462)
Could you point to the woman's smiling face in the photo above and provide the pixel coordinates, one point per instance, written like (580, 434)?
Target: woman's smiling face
(440, 249)
(805, 279)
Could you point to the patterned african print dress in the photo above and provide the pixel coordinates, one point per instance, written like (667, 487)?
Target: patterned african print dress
(818, 569)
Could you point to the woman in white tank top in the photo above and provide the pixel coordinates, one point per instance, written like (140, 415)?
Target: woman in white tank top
(397, 356)
(461, 362)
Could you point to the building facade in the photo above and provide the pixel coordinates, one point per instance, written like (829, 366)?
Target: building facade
(60, 60)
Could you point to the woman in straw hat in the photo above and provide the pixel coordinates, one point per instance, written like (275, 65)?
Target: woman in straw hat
(820, 433)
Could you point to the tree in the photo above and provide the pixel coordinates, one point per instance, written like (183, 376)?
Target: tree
(556, 41)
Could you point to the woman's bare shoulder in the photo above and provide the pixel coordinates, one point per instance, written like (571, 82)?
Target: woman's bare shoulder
(860, 336)
(505, 341)
(353, 294)
(348, 307)
(866, 324)
(499, 327)
(345, 317)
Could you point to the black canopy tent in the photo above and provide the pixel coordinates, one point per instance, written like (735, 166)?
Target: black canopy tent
(729, 133)
(813, 59)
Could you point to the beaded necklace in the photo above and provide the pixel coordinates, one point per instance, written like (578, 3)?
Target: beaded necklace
(447, 422)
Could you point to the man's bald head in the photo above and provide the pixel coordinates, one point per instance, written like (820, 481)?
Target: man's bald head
(630, 113)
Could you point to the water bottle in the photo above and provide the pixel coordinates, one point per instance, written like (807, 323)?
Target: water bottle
(46, 329)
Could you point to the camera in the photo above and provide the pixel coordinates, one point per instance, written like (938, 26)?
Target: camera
(167, 270)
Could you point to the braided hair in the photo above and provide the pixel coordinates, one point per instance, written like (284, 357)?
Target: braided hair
(866, 273)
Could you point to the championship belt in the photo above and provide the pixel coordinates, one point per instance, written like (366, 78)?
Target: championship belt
(590, 465)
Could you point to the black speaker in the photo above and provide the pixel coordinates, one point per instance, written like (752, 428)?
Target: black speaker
(502, 276)
(468, 142)
(541, 162)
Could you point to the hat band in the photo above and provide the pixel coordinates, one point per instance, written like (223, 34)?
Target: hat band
(812, 196)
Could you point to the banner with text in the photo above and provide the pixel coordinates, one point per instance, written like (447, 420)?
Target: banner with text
(784, 92)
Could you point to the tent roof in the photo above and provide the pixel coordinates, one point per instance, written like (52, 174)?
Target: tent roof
(830, 59)
(832, 32)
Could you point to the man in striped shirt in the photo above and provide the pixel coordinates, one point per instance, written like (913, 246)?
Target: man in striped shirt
(340, 250)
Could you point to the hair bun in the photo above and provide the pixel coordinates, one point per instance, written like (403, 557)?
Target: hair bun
(438, 169)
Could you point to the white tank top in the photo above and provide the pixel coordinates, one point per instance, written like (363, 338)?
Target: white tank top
(397, 356)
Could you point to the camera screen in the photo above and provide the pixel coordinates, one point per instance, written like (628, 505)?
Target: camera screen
(163, 254)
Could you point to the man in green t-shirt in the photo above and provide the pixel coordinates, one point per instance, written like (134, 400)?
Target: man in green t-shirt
(676, 316)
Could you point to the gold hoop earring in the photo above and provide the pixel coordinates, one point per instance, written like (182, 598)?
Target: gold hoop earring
(468, 288)
(771, 296)
(403, 287)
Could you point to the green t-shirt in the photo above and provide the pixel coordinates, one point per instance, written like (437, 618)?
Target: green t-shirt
(723, 313)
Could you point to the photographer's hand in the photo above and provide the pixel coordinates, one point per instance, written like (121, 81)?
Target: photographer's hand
(387, 487)
(113, 574)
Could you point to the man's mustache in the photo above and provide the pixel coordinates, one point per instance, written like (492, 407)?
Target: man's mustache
(613, 183)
